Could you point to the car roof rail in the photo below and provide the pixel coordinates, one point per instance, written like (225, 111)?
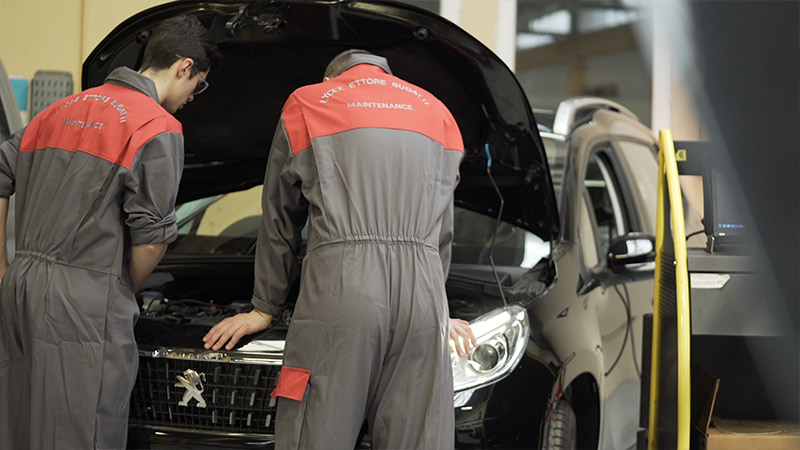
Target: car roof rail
(570, 110)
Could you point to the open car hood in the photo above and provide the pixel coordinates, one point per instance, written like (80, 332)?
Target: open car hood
(271, 48)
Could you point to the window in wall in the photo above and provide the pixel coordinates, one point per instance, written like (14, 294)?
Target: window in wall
(601, 18)
(567, 48)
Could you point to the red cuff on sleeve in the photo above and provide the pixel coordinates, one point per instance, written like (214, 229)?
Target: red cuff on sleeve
(292, 383)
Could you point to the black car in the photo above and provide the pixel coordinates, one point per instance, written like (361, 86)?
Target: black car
(519, 273)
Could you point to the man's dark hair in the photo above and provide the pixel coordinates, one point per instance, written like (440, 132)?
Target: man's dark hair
(178, 37)
(337, 63)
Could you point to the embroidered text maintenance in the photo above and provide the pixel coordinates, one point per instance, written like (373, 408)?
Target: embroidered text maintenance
(380, 105)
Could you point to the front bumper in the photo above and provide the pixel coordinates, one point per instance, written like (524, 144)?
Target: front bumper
(151, 438)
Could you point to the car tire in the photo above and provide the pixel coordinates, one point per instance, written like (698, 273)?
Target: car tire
(562, 430)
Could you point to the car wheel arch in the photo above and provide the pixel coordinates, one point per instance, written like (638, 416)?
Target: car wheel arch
(583, 396)
(579, 382)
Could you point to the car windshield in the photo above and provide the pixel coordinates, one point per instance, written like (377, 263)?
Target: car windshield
(227, 224)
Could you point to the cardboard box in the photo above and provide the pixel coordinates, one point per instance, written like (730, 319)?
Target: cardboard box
(716, 433)
(728, 434)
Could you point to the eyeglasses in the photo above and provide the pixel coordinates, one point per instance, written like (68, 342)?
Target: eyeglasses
(202, 85)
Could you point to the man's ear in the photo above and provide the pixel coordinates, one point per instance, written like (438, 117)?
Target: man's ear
(184, 67)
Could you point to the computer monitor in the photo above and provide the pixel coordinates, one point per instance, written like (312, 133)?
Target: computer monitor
(724, 217)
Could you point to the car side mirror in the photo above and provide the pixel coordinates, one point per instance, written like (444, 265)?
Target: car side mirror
(632, 255)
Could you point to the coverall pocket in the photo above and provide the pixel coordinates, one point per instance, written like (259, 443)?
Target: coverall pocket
(292, 383)
(293, 386)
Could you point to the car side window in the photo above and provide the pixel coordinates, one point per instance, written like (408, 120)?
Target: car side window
(586, 233)
(642, 170)
(606, 205)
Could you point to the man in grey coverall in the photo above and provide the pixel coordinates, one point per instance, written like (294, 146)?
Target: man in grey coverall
(372, 162)
(96, 175)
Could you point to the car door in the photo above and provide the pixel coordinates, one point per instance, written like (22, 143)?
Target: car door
(637, 174)
(606, 212)
(604, 216)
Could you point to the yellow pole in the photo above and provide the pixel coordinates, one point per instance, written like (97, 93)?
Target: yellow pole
(681, 289)
(655, 366)
(668, 171)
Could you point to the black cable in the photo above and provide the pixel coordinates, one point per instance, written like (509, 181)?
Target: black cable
(626, 301)
(627, 331)
(633, 341)
(695, 233)
(497, 224)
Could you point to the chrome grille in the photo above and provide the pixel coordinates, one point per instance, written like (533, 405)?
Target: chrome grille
(236, 395)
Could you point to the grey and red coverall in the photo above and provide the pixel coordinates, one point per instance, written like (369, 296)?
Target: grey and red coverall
(93, 174)
(372, 162)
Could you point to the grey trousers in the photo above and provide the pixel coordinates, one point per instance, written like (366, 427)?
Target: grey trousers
(68, 357)
(371, 326)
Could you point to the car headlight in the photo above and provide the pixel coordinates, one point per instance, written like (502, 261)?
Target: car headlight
(501, 337)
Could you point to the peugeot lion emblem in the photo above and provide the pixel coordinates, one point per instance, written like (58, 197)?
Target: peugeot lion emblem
(190, 381)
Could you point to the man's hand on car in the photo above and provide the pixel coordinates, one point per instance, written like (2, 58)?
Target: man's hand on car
(462, 340)
(234, 328)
